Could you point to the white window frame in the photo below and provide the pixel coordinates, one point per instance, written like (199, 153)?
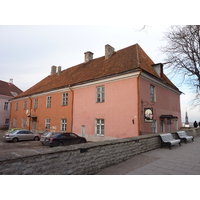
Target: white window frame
(6, 105)
(48, 101)
(16, 106)
(23, 122)
(100, 127)
(65, 98)
(47, 123)
(15, 123)
(162, 125)
(63, 125)
(154, 126)
(152, 93)
(25, 104)
(100, 94)
(169, 122)
(35, 103)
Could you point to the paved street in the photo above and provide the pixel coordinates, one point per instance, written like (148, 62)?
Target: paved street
(181, 160)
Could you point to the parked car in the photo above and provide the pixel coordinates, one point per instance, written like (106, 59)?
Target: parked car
(64, 138)
(12, 129)
(47, 135)
(18, 135)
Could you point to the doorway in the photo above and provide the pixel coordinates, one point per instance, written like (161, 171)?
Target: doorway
(34, 120)
(83, 130)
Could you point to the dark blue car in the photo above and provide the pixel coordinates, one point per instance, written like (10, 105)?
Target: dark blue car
(63, 139)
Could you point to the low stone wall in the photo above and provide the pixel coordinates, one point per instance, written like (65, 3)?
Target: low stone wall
(87, 158)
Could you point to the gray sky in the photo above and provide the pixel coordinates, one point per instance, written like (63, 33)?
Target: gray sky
(28, 52)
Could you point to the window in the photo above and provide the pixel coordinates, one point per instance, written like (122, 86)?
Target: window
(99, 127)
(100, 94)
(25, 104)
(169, 124)
(16, 106)
(64, 99)
(152, 93)
(72, 135)
(162, 126)
(6, 121)
(63, 124)
(6, 106)
(23, 122)
(47, 123)
(35, 103)
(154, 126)
(15, 123)
(48, 102)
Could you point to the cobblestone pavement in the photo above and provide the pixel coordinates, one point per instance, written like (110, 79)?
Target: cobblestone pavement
(180, 160)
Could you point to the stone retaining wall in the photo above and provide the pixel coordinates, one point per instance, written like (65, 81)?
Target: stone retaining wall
(87, 158)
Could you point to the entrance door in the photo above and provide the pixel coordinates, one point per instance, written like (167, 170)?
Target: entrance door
(83, 130)
(154, 126)
(34, 120)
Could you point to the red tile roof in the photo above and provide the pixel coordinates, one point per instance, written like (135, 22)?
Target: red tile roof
(124, 60)
(9, 89)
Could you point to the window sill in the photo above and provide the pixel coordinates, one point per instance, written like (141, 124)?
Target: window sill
(99, 135)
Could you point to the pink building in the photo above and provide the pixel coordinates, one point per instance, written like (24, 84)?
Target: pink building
(121, 94)
(138, 100)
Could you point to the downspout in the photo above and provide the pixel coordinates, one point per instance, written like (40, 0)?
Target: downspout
(29, 128)
(138, 103)
(71, 128)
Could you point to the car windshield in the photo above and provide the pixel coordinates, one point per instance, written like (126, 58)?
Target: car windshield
(47, 133)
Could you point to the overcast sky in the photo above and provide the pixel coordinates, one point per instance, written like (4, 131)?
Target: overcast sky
(28, 52)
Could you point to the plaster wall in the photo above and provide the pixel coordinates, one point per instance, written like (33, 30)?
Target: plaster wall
(118, 110)
(167, 102)
(56, 112)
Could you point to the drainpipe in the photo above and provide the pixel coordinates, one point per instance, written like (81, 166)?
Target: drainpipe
(29, 128)
(71, 128)
(138, 103)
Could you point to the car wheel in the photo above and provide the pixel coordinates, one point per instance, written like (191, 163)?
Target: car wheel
(15, 140)
(60, 144)
(36, 138)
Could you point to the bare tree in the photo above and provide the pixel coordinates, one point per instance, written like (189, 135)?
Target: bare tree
(183, 55)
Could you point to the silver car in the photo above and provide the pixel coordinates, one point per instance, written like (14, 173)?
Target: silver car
(18, 135)
(47, 135)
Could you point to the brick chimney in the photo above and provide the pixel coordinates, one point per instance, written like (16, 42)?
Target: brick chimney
(109, 50)
(158, 68)
(88, 56)
(53, 70)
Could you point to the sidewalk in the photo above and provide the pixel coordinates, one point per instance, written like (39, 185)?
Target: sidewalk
(180, 160)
